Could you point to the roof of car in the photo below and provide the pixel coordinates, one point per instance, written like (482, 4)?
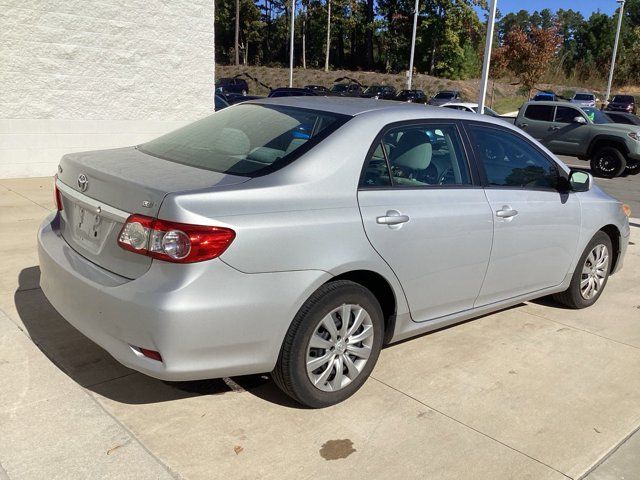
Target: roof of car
(359, 106)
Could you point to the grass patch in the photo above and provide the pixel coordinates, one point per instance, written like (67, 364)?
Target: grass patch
(508, 104)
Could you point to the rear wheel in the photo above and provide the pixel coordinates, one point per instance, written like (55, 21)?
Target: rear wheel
(331, 346)
(633, 168)
(608, 162)
(591, 274)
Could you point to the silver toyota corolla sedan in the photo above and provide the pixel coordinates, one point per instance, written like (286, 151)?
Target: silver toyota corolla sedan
(299, 235)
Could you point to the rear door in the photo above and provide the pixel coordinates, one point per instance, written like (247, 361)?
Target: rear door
(537, 120)
(536, 226)
(425, 213)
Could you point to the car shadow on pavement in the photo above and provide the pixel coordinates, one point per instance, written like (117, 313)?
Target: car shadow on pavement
(94, 369)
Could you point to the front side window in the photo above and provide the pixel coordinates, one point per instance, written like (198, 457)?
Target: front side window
(248, 139)
(512, 161)
(596, 116)
(544, 113)
(418, 156)
(566, 114)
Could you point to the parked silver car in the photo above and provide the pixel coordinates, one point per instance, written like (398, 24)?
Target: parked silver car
(584, 99)
(299, 235)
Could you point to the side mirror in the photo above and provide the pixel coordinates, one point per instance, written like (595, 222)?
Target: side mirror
(580, 181)
(580, 120)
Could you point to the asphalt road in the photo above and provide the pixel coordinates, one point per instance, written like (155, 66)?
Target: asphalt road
(626, 189)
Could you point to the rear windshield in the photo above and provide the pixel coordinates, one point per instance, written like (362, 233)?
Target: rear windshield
(623, 99)
(583, 96)
(248, 139)
(445, 95)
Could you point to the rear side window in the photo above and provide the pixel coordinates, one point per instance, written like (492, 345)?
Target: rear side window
(566, 114)
(248, 139)
(512, 161)
(543, 113)
(418, 156)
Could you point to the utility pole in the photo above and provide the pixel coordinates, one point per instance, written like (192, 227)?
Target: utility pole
(413, 44)
(326, 58)
(484, 79)
(615, 50)
(293, 20)
(237, 32)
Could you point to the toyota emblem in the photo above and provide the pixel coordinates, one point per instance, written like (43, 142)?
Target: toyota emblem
(83, 182)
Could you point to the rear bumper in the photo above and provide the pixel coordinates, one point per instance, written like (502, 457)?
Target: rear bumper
(207, 319)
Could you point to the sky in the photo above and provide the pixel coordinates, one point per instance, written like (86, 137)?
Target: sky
(586, 7)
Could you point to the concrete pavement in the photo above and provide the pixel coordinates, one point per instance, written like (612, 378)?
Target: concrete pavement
(535, 391)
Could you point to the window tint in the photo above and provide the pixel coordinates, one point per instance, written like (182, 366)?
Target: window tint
(511, 161)
(247, 139)
(584, 96)
(420, 156)
(623, 99)
(566, 114)
(539, 112)
(377, 172)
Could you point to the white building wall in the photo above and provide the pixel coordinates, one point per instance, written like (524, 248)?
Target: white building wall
(82, 75)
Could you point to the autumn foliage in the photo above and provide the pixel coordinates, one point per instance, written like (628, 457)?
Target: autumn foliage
(527, 55)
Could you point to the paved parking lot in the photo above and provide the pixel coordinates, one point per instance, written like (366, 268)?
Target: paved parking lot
(535, 391)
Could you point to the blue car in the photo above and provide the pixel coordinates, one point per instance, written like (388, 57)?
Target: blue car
(545, 97)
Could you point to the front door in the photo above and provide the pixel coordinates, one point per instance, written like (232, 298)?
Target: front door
(427, 218)
(536, 226)
(568, 137)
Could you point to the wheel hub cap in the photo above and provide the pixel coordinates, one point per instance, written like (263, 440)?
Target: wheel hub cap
(339, 347)
(594, 272)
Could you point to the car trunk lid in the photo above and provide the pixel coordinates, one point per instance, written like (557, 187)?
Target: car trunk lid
(100, 189)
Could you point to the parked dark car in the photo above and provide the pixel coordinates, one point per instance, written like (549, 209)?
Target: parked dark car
(545, 97)
(622, 117)
(232, 85)
(292, 92)
(233, 98)
(346, 90)
(412, 96)
(444, 96)
(319, 89)
(382, 92)
(622, 103)
(219, 102)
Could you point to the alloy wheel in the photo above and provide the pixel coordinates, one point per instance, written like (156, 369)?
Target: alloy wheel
(607, 163)
(594, 272)
(339, 347)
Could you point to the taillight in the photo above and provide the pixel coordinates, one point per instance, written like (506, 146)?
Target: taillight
(174, 242)
(56, 193)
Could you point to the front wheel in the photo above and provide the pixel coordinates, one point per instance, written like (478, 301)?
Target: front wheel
(331, 346)
(591, 274)
(608, 162)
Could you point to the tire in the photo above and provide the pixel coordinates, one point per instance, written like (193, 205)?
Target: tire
(324, 307)
(608, 162)
(573, 297)
(633, 168)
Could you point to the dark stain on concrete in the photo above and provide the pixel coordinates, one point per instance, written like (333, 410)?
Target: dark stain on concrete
(337, 449)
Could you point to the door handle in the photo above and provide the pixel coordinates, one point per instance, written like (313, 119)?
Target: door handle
(523, 125)
(393, 217)
(506, 212)
(553, 129)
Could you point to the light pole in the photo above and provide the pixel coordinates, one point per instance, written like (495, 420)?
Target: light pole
(484, 80)
(293, 20)
(413, 44)
(615, 51)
